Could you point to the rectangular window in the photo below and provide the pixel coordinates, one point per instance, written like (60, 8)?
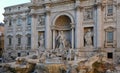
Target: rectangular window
(110, 10)
(10, 22)
(28, 41)
(19, 54)
(19, 21)
(29, 20)
(110, 55)
(10, 41)
(110, 37)
(19, 41)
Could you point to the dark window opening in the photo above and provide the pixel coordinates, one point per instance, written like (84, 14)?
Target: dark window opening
(27, 53)
(110, 55)
(10, 41)
(28, 41)
(19, 54)
(10, 22)
(19, 41)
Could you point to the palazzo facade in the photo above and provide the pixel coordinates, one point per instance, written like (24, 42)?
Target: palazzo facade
(85, 25)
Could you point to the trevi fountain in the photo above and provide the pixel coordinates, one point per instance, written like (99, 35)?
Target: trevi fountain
(67, 36)
(63, 59)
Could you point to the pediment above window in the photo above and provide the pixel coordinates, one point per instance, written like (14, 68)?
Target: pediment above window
(110, 29)
(9, 36)
(18, 35)
(28, 34)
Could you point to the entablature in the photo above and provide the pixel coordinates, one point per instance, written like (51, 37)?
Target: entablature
(40, 28)
(16, 12)
(56, 27)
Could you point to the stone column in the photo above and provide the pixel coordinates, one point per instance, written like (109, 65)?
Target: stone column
(72, 41)
(33, 31)
(118, 27)
(48, 33)
(99, 26)
(14, 37)
(53, 39)
(78, 26)
(24, 40)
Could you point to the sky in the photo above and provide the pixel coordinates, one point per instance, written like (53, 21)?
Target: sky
(6, 3)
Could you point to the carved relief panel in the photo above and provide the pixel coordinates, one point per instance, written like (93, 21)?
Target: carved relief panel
(88, 14)
(41, 20)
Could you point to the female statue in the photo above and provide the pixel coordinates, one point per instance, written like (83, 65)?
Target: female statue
(88, 38)
(41, 41)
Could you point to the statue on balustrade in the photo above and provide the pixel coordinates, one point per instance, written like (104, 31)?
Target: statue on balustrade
(88, 38)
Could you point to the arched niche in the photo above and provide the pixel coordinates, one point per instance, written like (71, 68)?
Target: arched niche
(63, 20)
(63, 23)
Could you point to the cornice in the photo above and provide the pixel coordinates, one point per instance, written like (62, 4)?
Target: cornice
(56, 27)
(16, 12)
(49, 3)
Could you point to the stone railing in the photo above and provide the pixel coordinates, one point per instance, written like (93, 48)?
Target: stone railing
(110, 44)
(9, 47)
(117, 71)
(18, 47)
(27, 47)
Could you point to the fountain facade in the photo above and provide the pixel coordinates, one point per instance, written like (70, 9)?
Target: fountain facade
(62, 36)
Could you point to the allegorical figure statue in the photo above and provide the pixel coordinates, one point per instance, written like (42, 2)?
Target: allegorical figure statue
(61, 40)
(41, 47)
(41, 41)
(88, 38)
(40, 20)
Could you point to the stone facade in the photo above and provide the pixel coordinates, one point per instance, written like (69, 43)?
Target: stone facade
(1, 39)
(98, 20)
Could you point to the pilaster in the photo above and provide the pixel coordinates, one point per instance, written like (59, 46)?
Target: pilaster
(78, 26)
(48, 33)
(98, 26)
(53, 39)
(73, 32)
(33, 35)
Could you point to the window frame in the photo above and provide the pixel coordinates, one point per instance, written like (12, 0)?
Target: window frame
(19, 41)
(108, 39)
(113, 42)
(29, 20)
(19, 21)
(28, 40)
(10, 41)
(110, 10)
(10, 22)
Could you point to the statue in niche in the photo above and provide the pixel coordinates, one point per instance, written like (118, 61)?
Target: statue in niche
(33, 1)
(61, 39)
(88, 38)
(40, 20)
(41, 41)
